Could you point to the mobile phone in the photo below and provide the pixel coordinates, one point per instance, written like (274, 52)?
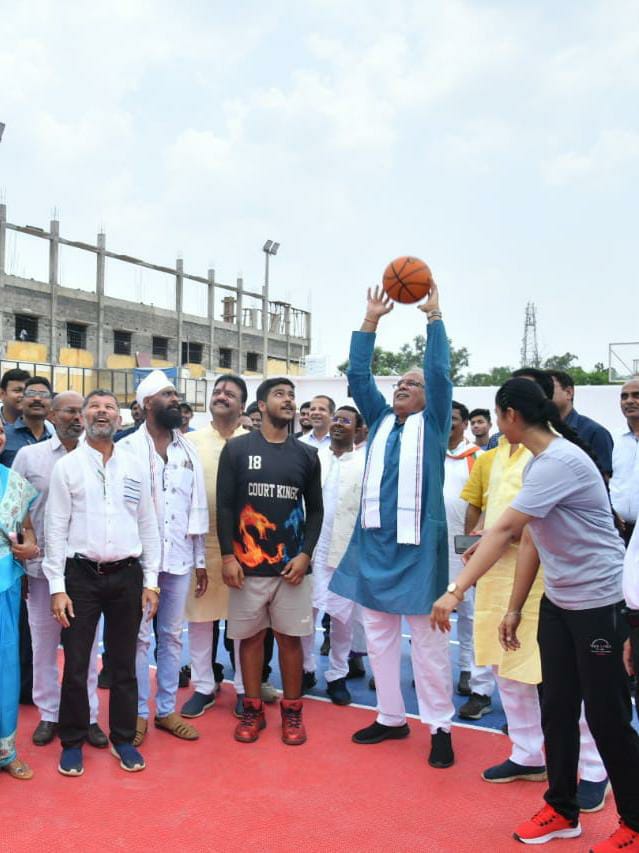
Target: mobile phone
(19, 535)
(463, 543)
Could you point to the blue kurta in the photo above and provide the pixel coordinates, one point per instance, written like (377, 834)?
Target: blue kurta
(376, 571)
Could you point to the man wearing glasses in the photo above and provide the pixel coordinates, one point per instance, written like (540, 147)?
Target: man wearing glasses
(31, 427)
(397, 559)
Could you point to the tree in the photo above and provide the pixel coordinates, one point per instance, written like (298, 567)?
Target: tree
(496, 376)
(387, 363)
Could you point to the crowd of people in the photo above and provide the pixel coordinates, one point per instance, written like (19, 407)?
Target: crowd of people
(372, 514)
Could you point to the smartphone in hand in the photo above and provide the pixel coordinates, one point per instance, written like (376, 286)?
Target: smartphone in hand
(463, 543)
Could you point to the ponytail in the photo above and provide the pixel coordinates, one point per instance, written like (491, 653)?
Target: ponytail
(528, 399)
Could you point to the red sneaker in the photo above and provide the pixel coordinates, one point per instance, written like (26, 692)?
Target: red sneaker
(251, 722)
(546, 825)
(293, 731)
(623, 838)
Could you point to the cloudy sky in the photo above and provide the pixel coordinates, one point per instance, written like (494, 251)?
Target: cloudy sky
(499, 141)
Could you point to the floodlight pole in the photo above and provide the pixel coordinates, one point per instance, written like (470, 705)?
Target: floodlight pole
(269, 248)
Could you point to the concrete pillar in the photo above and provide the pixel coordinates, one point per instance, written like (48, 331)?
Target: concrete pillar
(240, 318)
(210, 304)
(99, 289)
(179, 297)
(54, 267)
(287, 327)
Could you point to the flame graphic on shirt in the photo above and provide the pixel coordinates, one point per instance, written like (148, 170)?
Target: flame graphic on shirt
(249, 552)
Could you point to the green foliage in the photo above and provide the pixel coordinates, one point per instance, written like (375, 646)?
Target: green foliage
(387, 363)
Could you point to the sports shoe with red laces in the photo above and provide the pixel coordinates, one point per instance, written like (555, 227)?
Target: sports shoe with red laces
(624, 838)
(251, 722)
(546, 825)
(293, 731)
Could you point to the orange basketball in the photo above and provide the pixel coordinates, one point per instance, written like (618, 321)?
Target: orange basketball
(407, 280)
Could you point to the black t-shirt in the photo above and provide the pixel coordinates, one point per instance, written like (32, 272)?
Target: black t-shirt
(269, 502)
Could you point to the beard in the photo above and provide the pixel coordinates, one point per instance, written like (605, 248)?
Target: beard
(101, 431)
(277, 422)
(168, 418)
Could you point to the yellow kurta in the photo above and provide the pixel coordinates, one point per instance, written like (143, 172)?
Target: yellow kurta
(494, 588)
(213, 604)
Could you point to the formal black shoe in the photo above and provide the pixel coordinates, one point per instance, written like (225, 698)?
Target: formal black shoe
(441, 750)
(104, 679)
(356, 668)
(326, 646)
(96, 737)
(184, 679)
(337, 692)
(308, 681)
(376, 733)
(44, 733)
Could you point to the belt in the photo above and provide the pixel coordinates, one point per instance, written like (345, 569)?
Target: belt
(106, 568)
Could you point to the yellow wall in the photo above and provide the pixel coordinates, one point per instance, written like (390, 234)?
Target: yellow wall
(120, 362)
(159, 363)
(74, 380)
(26, 351)
(277, 367)
(71, 357)
(197, 371)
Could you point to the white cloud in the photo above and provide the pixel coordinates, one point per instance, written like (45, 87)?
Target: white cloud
(614, 155)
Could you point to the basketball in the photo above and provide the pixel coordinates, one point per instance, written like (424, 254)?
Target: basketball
(407, 280)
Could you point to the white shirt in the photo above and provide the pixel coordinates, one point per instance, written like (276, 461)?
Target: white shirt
(172, 494)
(341, 492)
(311, 438)
(624, 484)
(35, 463)
(104, 512)
(456, 474)
(631, 572)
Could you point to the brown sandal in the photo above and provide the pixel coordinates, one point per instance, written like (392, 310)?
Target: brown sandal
(140, 731)
(175, 725)
(18, 770)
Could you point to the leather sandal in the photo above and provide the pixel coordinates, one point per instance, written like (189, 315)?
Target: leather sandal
(18, 770)
(140, 731)
(175, 725)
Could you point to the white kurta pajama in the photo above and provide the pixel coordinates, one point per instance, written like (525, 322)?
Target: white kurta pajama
(341, 493)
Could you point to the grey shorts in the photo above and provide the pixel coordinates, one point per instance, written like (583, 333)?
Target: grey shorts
(270, 603)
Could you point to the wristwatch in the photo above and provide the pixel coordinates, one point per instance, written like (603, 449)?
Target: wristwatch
(155, 589)
(453, 589)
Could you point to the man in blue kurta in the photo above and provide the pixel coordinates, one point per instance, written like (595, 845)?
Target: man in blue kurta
(396, 564)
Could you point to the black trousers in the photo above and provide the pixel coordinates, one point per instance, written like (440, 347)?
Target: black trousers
(26, 657)
(119, 598)
(581, 657)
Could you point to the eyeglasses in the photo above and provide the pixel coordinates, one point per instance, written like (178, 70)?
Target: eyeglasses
(338, 419)
(407, 383)
(43, 395)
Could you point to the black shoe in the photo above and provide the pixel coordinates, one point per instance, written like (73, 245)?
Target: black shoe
(218, 673)
(96, 737)
(326, 646)
(308, 681)
(356, 668)
(338, 692)
(463, 685)
(104, 679)
(371, 683)
(441, 750)
(376, 733)
(476, 707)
(185, 677)
(44, 733)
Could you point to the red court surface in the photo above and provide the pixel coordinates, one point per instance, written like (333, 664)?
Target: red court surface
(328, 795)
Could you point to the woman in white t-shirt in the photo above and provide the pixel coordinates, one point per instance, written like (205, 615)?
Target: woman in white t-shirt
(563, 517)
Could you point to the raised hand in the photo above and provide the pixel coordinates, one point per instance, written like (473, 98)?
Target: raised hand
(432, 303)
(378, 303)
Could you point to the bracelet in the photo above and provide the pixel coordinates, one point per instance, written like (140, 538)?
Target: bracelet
(368, 320)
(513, 613)
(434, 313)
